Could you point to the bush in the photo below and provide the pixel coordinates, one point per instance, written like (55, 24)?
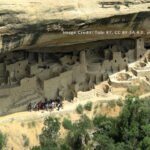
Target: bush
(3, 140)
(132, 89)
(119, 103)
(79, 109)
(117, 7)
(36, 148)
(25, 140)
(79, 133)
(67, 124)
(50, 133)
(84, 122)
(22, 124)
(88, 106)
(128, 2)
(31, 124)
(96, 106)
(112, 104)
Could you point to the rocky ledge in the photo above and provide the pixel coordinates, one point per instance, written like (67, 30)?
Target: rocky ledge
(48, 25)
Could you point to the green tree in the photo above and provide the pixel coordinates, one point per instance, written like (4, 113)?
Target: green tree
(88, 106)
(104, 142)
(3, 140)
(145, 144)
(67, 124)
(78, 137)
(26, 141)
(79, 109)
(127, 131)
(49, 136)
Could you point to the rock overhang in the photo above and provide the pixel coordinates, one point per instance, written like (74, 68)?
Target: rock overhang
(43, 26)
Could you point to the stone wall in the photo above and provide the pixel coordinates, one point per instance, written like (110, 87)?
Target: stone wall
(18, 69)
(29, 83)
(51, 87)
(34, 69)
(131, 55)
(2, 73)
(140, 50)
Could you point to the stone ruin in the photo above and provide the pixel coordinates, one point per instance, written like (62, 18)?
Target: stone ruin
(136, 74)
(27, 76)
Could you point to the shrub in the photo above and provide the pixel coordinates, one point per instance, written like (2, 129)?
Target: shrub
(117, 7)
(67, 124)
(22, 124)
(3, 140)
(101, 105)
(65, 147)
(79, 133)
(31, 124)
(132, 89)
(88, 106)
(127, 3)
(95, 111)
(50, 132)
(84, 122)
(79, 109)
(119, 102)
(96, 106)
(25, 140)
(36, 148)
(112, 103)
(49, 138)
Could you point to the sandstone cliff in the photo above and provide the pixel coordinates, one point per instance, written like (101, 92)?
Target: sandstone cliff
(38, 25)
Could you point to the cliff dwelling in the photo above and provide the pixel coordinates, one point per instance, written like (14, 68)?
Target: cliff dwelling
(65, 74)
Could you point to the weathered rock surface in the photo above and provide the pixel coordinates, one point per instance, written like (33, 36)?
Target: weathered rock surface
(39, 25)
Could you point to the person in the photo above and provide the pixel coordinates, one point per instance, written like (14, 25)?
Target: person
(39, 105)
(29, 107)
(58, 106)
(59, 103)
(35, 106)
(45, 100)
(45, 104)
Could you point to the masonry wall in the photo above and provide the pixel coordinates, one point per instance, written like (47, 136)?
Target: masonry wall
(140, 50)
(51, 87)
(29, 83)
(131, 55)
(2, 73)
(144, 73)
(146, 85)
(18, 68)
(34, 69)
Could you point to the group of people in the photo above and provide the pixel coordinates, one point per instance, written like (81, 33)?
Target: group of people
(45, 105)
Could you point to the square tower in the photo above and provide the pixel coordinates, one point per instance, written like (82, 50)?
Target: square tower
(83, 61)
(1, 43)
(140, 50)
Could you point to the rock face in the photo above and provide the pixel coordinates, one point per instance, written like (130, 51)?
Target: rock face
(50, 49)
(42, 25)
